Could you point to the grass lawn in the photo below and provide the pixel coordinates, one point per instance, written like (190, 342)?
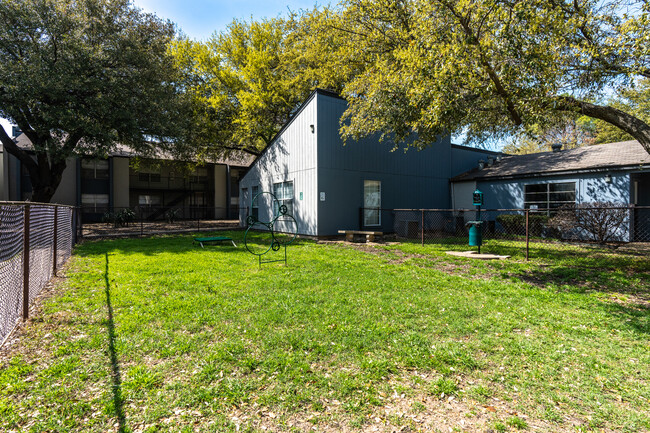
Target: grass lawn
(160, 335)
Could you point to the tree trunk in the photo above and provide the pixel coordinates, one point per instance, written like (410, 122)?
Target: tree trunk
(44, 176)
(622, 120)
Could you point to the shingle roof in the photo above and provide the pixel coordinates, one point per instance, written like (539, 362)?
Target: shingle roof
(241, 159)
(597, 157)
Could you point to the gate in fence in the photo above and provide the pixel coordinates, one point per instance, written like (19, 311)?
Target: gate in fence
(35, 241)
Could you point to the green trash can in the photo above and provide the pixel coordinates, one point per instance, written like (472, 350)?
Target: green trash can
(475, 233)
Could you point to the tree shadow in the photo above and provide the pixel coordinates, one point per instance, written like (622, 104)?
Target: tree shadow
(152, 245)
(116, 388)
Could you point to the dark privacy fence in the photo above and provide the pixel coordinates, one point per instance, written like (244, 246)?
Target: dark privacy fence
(508, 230)
(35, 241)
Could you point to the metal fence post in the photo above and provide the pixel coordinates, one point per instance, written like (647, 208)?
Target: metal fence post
(26, 264)
(527, 234)
(55, 240)
(80, 222)
(141, 222)
(422, 232)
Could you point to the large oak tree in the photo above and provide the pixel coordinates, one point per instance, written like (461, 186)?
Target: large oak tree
(491, 68)
(79, 77)
(247, 81)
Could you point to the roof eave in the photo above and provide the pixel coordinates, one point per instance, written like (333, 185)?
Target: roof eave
(555, 173)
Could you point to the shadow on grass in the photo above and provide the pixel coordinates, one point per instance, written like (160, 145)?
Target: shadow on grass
(150, 246)
(601, 279)
(116, 378)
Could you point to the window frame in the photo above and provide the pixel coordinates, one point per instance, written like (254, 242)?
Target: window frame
(545, 196)
(286, 196)
(151, 204)
(255, 206)
(367, 211)
(88, 205)
(90, 165)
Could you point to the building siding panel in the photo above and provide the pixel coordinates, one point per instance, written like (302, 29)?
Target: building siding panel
(290, 157)
(409, 178)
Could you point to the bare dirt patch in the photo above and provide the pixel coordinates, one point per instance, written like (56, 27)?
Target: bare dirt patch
(417, 412)
(398, 257)
(55, 286)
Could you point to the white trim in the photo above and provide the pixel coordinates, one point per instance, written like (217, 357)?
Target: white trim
(365, 224)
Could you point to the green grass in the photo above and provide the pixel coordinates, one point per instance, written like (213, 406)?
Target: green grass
(159, 334)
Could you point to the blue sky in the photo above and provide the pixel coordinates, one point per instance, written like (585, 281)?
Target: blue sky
(199, 19)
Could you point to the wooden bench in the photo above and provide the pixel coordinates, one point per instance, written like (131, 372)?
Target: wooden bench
(350, 234)
(201, 241)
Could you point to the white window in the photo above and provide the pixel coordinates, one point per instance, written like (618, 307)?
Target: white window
(283, 191)
(95, 202)
(200, 175)
(255, 208)
(549, 196)
(94, 169)
(149, 200)
(149, 174)
(371, 203)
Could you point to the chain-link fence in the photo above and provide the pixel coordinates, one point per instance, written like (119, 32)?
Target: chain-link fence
(35, 240)
(522, 232)
(156, 220)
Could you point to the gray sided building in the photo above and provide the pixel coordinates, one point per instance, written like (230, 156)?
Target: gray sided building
(153, 186)
(326, 183)
(613, 173)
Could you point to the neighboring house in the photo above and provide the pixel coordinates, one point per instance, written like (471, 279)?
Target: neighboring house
(617, 173)
(155, 186)
(328, 186)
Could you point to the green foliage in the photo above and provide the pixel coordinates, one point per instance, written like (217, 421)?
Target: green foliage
(80, 77)
(172, 215)
(516, 422)
(634, 99)
(121, 219)
(516, 224)
(540, 138)
(490, 69)
(247, 81)
(443, 387)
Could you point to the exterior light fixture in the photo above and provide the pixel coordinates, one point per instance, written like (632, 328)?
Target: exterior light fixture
(312, 128)
(608, 178)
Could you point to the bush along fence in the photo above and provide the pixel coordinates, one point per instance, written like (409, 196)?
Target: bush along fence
(35, 241)
(601, 226)
(152, 220)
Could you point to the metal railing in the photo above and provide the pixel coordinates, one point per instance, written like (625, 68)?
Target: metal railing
(35, 241)
(505, 230)
(156, 220)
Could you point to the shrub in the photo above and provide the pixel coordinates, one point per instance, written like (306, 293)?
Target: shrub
(599, 221)
(172, 215)
(515, 224)
(108, 218)
(119, 219)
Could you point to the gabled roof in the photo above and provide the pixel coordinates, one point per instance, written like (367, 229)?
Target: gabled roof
(600, 157)
(294, 117)
(240, 159)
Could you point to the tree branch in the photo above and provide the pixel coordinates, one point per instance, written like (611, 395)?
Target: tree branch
(494, 77)
(634, 126)
(11, 147)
